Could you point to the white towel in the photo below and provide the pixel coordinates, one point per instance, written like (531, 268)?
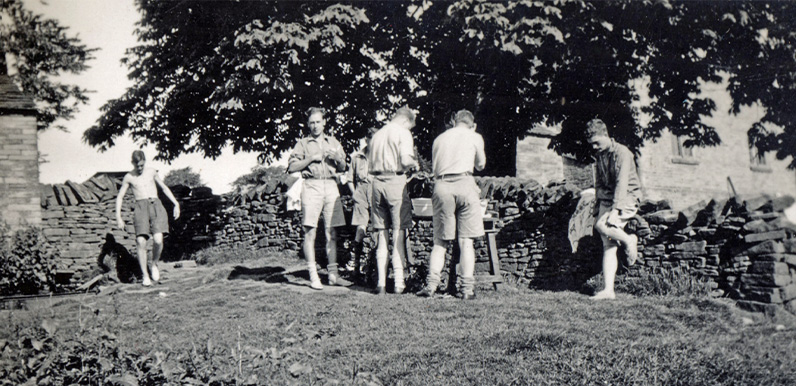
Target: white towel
(293, 195)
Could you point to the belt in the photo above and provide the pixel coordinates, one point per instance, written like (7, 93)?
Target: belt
(387, 173)
(320, 178)
(454, 175)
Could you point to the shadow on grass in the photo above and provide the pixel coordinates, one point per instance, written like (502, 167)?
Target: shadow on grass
(275, 274)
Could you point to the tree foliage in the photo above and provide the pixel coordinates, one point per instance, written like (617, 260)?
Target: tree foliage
(42, 50)
(210, 74)
(185, 176)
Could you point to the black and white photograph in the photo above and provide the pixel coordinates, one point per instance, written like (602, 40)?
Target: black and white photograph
(418, 192)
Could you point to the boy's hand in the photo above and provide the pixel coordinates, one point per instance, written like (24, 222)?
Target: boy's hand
(176, 212)
(120, 223)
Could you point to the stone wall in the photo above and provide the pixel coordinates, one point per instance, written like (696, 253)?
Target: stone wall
(19, 157)
(741, 248)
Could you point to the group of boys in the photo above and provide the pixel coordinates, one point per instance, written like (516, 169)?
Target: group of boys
(377, 177)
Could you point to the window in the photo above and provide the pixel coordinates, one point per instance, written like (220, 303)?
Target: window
(681, 153)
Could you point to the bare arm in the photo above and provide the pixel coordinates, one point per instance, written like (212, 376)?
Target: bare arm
(480, 155)
(407, 155)
(168, 194)
(119, 201)
(298, 160)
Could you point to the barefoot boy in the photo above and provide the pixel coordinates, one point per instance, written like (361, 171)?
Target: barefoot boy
(149, 216)
(618, 194)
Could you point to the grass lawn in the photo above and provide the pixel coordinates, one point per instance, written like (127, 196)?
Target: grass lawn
(206, 328)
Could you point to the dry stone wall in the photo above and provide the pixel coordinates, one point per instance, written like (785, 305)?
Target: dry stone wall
(742, 248)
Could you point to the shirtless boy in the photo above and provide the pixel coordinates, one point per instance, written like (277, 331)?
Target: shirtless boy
(150, 216)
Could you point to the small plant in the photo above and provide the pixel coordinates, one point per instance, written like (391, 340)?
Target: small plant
(673, 282)
(27, 261)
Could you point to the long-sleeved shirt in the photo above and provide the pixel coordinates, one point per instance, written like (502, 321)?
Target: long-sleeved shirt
(358, 172)
(616, 179)
(309, 146)
(392, 149)
(457, 150)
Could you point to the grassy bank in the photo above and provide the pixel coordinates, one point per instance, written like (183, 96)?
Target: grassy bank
(210, 329)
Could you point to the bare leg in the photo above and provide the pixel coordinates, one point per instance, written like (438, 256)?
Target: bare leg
(398, 257)
(381, 258)
(467, 264)
(142, 260)
(157, 249)
(610, 265)
(309, 255)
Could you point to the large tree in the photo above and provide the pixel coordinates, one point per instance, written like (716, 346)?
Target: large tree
(41, 50)
(210, 74)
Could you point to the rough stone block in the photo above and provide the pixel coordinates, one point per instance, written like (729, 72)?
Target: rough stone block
(759, 226)
(788, 292)
(757, 237)
(766, 280)
(768, 267)
(769, 309)
(662, 217)
(762, 294)
(694, 247)
(770, 257)
(768, 246)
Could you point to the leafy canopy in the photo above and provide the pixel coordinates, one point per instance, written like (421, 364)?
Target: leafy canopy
(41, 51)
(210, 74)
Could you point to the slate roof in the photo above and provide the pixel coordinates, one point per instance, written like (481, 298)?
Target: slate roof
(12, 98)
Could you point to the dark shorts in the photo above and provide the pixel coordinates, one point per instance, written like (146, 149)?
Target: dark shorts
(391, 207)
(150, 217)
(362, 195)
(457, 208)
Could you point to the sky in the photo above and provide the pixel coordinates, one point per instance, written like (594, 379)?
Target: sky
(108, 25)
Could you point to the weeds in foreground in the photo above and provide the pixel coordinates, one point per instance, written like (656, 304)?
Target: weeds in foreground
(672, 282)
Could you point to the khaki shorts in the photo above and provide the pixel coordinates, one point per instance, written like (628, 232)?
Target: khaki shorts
(362, 195)
(602, 215)
(150, 217)
(457, 208)
(321, 196)
(390, 203)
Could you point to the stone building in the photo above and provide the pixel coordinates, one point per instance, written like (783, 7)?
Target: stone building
(19, 156)
(671, 171)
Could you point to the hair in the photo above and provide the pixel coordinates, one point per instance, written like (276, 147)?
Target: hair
(463, 116)
(313, 110)
(405, 112)
(371, 131)
(138, 155)
(596, 127)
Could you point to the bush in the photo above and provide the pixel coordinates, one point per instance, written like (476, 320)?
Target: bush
(674, 282)
(27, 261)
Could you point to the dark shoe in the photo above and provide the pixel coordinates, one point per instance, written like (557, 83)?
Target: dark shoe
(426, 292)
(379, 291)
(468, 296)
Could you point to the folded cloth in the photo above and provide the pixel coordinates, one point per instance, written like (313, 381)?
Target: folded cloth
(582, 221)
(293, 195)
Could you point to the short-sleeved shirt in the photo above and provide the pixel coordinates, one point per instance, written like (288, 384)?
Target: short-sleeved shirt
(392, 149)
(616, 179)
(458, 150)
(358, 172)
(309, 146)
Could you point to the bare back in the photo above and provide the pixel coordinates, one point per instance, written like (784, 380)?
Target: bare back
(143, 185)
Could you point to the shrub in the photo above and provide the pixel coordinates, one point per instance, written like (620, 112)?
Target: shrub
(27, 261)
(674, 282)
